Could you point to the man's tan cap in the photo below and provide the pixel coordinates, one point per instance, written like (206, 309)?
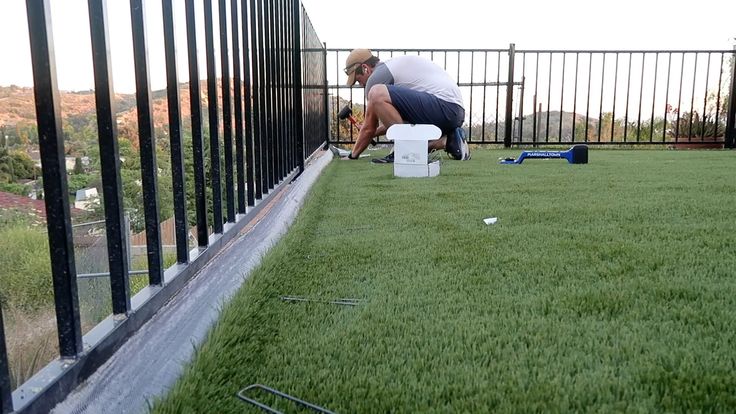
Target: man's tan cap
(356, 57)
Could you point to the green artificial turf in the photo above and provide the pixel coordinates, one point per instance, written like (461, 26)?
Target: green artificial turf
(606, 287)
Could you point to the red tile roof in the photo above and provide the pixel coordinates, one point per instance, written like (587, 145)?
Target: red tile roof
(22, 203)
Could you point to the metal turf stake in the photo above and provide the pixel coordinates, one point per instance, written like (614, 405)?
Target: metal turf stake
(343, 302)
(264, 407)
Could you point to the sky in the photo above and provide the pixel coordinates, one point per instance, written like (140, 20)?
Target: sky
(529, 24)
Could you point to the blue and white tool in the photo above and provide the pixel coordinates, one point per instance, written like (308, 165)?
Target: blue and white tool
(578, 154)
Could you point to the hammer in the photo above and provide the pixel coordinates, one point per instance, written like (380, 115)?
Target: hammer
(347, 113)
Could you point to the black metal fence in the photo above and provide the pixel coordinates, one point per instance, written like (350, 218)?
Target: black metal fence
(537, 97)
(275, 104)
(256, 116)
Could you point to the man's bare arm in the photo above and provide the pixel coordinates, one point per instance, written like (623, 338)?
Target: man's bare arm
(367, 132)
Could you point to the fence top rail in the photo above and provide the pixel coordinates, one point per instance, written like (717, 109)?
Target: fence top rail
(379, 49)
(625, 51)
(465, 50)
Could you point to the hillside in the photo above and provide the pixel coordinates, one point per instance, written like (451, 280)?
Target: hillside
(17, 105)
(18, 112)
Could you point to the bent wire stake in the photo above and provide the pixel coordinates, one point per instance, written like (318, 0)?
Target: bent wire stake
(344, 302)
(264, 407)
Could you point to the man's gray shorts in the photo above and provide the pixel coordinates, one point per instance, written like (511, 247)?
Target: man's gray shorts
(423, 108)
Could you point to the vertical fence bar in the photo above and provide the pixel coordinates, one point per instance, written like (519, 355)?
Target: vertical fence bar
(109, 158)
(281, 69)
(293, 14)
(274, 92)
(283, 89)
(654, 97)
(498, 90)
(227, 117)
(522, 92)
(615, 89)
(271, 142)
(263, 97)
(485, 81)
(278, 99)
(6, 393)
(536, 94)
(289, 96)
(215, 179)
(290, 160)
(238, 106)
(641, 97)
(587, 104)
(679, 98)
(284, 72)
(273, 138)
(195, 105)
(705, 98)
(256, 34)
(147, 141)
(247, 104)
(562, 95)
(51, 146)
(297, 85)
(336, 101)
(692, 99)
(628, 96)
(278, 113)
(549, 98)
(281, 65)
(470, 108)
(326, 92)
(521, 101)
(730, 141)
(283, 78)
(291, 157)
(575, 97)
(509, 123)
(718, 98)
(667, 106)
(178, 177)
(600, 109)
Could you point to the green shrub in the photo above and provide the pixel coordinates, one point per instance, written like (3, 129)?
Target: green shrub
(25, 269)
(13, 188)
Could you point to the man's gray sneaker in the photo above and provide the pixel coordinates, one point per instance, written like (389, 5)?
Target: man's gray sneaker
(456, 145)
(389, 159)
(465, 151)
(339, 152)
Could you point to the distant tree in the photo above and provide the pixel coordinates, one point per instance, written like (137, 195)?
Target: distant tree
(15, 165)
(78, 167)
(79, 181)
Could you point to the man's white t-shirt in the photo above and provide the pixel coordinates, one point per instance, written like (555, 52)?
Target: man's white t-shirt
(417, 73)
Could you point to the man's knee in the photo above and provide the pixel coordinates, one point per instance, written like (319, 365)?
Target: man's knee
(379, 93)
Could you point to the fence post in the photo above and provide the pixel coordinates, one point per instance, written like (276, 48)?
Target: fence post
(731, 120)
(509, 123)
